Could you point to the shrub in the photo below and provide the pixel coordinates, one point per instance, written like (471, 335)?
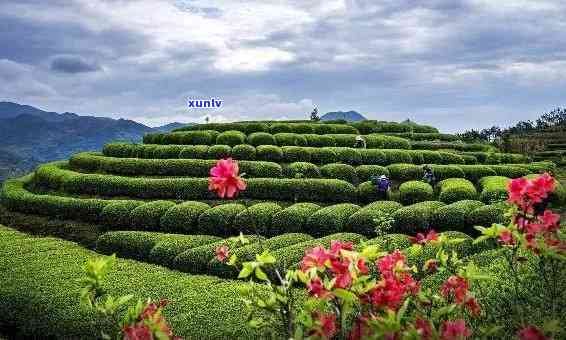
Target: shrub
(191, 138)
(456, 189)
(365, 172)
(363, 221)
(347, 141)
(249, 252)
(389, 242)
(487, 215)
(323, 156)
(347, 155)
(493, 158)
(196, 260)
(167, 151)
(183, 217)
(344, 129)
(269, 153)
(219, 151)
(418, 256)
(344, 172)
(294, 218)
(147, 216)
(261, 169)
(168, 247)
(416, 157)
(405, 172)
(243, 152)
(373, 156)
(331, 219)
(302, 169)
(493, 189)
(397, 156)
(257, 219)
(375, 141)
(319, 140)
(324, 129)
(430, 157)
(324, 190)
(367, 192)
(302, 128)
(510, 171)
(280, 128)
(455, 216)
(450, 158)
(476, 172)
(261, 138)
(447, 171)
(290, 139)
(469, 159)
(296, 154)
(231, 138)
(220, 219)
(540, 167)
(116, 215)
(194, 152)
(129, 244)
(415, 191)
(416, 217)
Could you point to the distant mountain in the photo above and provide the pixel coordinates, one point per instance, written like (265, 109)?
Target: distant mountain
(350, 116)
(30, 136)
(171, 126)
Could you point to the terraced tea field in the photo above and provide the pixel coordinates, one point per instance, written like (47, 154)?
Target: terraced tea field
(306, 185)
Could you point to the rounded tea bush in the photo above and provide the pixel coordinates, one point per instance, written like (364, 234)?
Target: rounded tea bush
(447, 171)
(415, 191)
(365, 172)
(315, 140)
(405, 172)
(348, 155)
(293, 219)
(456, 189)
(148, 215)
(476, 172)
(364, 220)
(344, 172)
(194, 152)
(219, 151)
(269, 153)
(280, 128)
(261, 138)
(257, 219)
(290, 139)
(415, 218)
(220, 220)
(331, 219)
(116, 215)
(296, 154)
(183, 217)
(323, 155)
(231, 138)
(455, 216)
(302, 170)
(244, 152)
(373, 156)
(487, 215)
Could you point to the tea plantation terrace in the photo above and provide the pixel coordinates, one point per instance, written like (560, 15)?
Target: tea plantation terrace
(306, 185)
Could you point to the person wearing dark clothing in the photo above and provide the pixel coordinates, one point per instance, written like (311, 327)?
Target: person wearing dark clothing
(429, 176)
(382, 185)
(360, 142)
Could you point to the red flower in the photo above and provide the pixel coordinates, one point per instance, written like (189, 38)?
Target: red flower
(362, 267)
(421, 238)
(388, 263)
(454, 330)
(224, 178)
(526, 193)
(431, 265)
(531, 333)
(316, 288)
(473, 306)
(315, 257)
(137, 332)
(359, 329)
(336, 246)
(550, 220)
(457, 285)
(222, 253)
(506, 237)
(424, 328)
(326, 325)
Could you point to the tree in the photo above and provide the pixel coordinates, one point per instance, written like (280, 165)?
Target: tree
(314, 115)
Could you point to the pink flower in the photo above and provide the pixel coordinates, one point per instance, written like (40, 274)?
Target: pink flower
(316, 288)
(336, 246)
(424, 328)
(222, 253)
(326, 326)
(431, 265)
(316, 257)
(362, 267)
(550, 220)
(473, 306)
(531, 333)
(423, 239)
(224, 178)
(526, 193)
(456, 285)
(137, 332)
(506, 237)
(454, 330)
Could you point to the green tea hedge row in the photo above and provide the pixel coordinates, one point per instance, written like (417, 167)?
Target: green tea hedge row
(456, 189)
(425, 145)
(233, 138)
(318, 155)
(272, 127)
(54, 176)
(40, 294)
(372, 126)
(425, 136)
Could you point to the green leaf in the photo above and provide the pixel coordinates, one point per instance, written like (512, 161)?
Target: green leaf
(260, 274)
(266, 257)
(233, 260)
(246, 271)
(345, 295)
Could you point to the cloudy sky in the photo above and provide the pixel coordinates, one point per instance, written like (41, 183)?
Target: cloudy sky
(453, 64)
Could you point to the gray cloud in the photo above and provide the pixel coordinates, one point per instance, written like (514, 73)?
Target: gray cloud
(453, 64)
(72, 64)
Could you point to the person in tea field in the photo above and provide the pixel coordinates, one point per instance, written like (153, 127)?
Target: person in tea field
(360, 142)
(382, 185)
(429, 176)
